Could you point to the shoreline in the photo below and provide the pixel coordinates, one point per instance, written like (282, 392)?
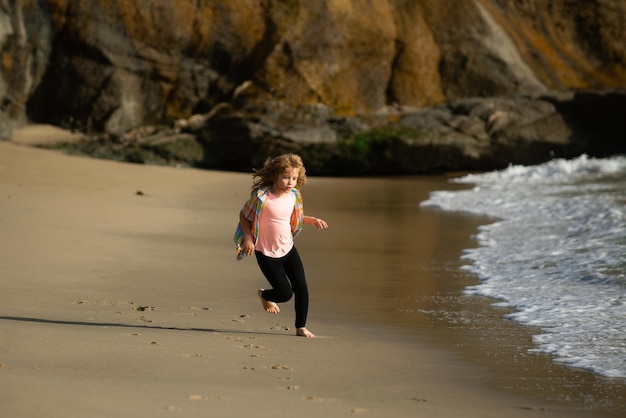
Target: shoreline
(119, 303)
(435, 309)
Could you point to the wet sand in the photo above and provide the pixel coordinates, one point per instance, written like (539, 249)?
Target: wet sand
(121, 297)
(410, 280)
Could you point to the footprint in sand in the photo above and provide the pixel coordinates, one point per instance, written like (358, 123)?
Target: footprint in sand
(281, 367)
(100, 302)
(279, 328)
(254, 346)
(240, 318)
(129, 306)
(233, 338)
(144, 308)
(192, 308)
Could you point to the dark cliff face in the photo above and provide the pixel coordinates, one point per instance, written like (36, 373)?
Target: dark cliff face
(111, 65)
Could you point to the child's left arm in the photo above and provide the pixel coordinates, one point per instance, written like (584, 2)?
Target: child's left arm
(316, 222)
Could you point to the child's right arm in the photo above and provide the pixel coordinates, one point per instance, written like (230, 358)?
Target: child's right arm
(247, 247)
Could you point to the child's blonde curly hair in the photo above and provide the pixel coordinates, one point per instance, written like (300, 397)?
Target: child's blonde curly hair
(266, 176)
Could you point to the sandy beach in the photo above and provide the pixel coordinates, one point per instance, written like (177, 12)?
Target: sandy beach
(121, 297)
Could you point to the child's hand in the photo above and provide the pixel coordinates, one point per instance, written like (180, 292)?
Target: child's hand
(320, 223)
(316, 222)
(247, 247)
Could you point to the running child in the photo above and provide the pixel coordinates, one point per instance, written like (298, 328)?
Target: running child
(268, 223)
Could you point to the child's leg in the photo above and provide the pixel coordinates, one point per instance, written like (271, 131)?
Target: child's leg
(272, 269)
(295, 272)
(286, 275)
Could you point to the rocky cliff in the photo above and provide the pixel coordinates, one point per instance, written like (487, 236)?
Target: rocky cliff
(110, 66)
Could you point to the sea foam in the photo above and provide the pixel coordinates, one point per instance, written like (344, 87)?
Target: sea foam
(556, 254)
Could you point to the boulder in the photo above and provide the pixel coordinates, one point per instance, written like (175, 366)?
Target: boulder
(114, 65)
(452, 84)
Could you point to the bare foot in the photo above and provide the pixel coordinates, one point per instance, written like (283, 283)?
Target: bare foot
(270, 307)
(303, 332)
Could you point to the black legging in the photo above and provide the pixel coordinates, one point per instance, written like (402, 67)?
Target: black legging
(286, 275)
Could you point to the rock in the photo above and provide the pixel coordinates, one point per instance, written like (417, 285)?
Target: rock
(453, 84)
(596, 117)
(460, 135)
(113, 66)
(464, 134)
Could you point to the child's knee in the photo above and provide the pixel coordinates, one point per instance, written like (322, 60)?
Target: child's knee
(284, 295)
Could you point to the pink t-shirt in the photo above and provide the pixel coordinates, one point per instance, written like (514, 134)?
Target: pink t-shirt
(275, 237)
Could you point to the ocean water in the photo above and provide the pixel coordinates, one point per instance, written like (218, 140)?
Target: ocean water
(555, 253)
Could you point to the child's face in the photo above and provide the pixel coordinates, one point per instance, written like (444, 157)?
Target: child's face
(286, 180)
